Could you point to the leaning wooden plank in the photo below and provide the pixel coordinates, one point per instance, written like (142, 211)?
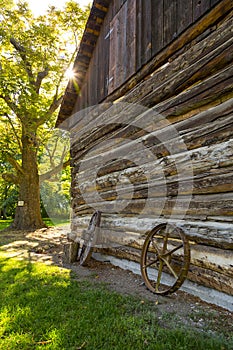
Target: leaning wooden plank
(70, 252)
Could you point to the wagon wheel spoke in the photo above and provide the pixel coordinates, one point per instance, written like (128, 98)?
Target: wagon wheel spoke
(150, 263)
(170, 252)
(155, 246)
(159, 276)
(170, 268)
(165, 239)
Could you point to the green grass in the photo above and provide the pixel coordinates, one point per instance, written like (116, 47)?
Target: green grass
(56, 222)
(44, 307)
(5, 223)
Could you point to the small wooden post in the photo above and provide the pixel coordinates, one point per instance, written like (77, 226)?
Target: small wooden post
(70, 252)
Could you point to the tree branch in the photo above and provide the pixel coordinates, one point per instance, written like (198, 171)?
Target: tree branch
(39, 79)
(10, 104)
(55, 104)
(22, 52)
(53, 107)
(9, 177)
(54, 171)
(15, 164)
(14, 131)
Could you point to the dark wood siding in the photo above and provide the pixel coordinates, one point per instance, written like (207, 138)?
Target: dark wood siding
(157, 24)
(200, 7)
(134, 31)
(122, 35)
(184, 15)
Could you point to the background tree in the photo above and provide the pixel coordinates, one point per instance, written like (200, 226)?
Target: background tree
(35, 54)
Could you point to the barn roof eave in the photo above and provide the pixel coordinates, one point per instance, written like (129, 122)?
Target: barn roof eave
(88, 42)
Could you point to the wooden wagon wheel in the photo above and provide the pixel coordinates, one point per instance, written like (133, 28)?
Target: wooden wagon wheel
(89, 237)
(165, 254)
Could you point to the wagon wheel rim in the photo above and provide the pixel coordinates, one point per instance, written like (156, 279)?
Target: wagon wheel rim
(89, 237)
(166, 258)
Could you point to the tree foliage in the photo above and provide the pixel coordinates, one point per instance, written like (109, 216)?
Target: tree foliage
(35, 55)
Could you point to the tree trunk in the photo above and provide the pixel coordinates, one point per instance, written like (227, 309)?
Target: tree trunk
(28, 215)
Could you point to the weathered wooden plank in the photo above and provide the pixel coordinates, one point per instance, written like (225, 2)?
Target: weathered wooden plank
(157, 24)
(184, 15)
(121, 43)
(106, 55)
(170, 18)
(212, 258)
(83, 91)
(113, 53)
(90, 87)
(94, 80)
(214, 2)
(211, 279)
(199, 8)
(130, 46)
(207, 116)
(70, 252)
(146, 40)
(101, 72)
(138, 34)
(116, 6)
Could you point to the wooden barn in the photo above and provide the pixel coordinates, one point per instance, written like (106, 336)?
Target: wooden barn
(150, 112)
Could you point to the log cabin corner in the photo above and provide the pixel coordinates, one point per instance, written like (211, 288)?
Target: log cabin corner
(144, 67)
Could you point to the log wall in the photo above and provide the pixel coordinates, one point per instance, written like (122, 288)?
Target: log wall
(164, 151)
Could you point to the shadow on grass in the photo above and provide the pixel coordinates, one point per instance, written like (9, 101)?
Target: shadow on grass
(42, 245)
(44, 307)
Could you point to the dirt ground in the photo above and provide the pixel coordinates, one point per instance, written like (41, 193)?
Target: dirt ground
(46, 245)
